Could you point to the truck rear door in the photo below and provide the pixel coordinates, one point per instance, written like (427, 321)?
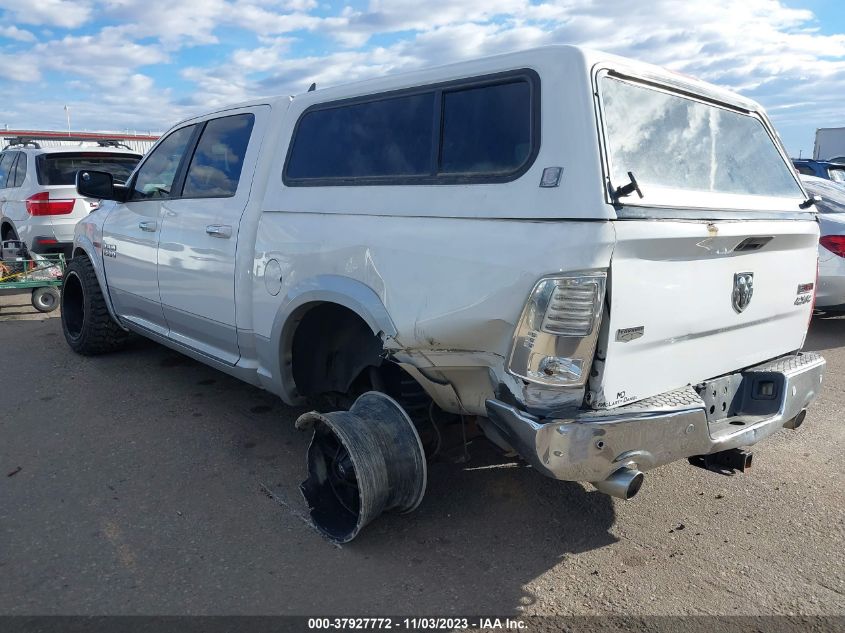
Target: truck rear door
(199, 236)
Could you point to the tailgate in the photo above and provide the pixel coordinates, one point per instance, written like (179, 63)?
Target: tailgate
(690, 301)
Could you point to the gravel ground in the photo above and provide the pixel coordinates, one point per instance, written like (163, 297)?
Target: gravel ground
(137, 483)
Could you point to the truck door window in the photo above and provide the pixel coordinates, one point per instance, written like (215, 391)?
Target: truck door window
(215, 168)
(156, 176)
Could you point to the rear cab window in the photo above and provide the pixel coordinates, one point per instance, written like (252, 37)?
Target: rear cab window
(689, 152)
(59, 168)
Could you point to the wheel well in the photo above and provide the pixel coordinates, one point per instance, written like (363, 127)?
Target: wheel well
(78, 252)
(331, 346)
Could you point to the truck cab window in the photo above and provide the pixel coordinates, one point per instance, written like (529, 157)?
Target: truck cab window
(157, 174)
(217, 162)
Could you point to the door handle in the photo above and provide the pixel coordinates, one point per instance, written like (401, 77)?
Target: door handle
(149, 226)
(219, 230)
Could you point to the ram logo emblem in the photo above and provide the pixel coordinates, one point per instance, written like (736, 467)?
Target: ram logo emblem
(743, 291)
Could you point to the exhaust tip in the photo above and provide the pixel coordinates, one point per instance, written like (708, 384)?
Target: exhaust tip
(625, 483)
(797, 421)
(635, 485)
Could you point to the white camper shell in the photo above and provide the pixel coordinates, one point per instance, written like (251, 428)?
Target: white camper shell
(609, 265)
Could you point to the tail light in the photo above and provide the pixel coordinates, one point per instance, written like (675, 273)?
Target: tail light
(42, 204)
(556, 336)
(834, 243)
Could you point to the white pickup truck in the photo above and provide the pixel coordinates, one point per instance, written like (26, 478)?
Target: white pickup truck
(603, 265)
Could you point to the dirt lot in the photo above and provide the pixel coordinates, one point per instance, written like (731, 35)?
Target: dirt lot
(132, 484)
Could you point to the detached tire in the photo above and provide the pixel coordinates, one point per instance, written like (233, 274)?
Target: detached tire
(86, 322)
(45, 299)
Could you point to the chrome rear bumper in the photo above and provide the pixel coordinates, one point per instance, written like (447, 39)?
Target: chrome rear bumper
(592, 445)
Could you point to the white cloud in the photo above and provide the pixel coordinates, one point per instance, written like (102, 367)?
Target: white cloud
(109, 54)
(175, 23)
(14, 33)
(61, 13)
(19, 68)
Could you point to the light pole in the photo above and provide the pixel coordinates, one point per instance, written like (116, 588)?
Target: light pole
(67, 115)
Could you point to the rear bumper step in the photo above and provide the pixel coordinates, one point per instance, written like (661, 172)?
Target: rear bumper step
(592, 445)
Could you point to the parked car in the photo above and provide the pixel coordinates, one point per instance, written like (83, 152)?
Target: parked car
(830, 297)
(828, 170)
(479, 239)
(39, 204)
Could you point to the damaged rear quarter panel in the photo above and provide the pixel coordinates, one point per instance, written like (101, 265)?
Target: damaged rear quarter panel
(452, 286)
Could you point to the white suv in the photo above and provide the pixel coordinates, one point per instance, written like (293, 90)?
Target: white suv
(38, 200)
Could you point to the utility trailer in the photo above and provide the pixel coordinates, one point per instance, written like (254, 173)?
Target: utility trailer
(20, 270)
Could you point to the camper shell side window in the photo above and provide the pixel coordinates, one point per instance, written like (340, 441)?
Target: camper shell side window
(478, 130)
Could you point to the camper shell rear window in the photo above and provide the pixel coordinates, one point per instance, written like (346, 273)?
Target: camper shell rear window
(483, 129)
(676, 143)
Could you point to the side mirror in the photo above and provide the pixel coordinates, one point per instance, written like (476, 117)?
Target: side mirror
(99, 185)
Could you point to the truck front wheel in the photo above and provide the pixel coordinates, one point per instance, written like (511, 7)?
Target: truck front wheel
(86, 322)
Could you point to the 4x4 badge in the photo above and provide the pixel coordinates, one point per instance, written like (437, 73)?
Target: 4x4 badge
(743, 291)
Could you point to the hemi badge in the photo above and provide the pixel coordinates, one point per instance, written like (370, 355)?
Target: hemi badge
(625, 335)
(803, 288)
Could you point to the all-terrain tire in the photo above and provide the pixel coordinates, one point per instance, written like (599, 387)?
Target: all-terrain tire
(86, 322)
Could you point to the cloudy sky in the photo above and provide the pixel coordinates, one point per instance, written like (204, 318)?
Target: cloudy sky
(143, 64)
